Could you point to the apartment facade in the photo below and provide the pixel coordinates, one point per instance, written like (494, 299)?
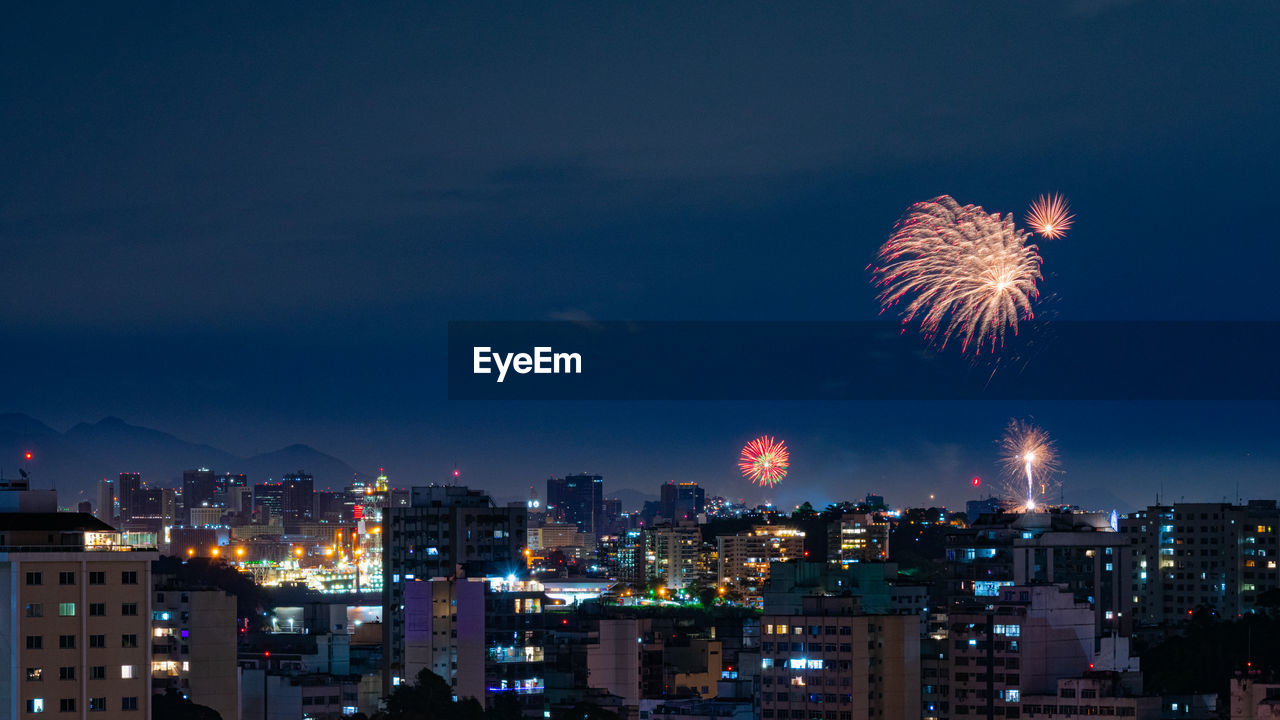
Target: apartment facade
(193, 638)
(832, 662)
(1190, 556)
(745, 558)
(79, 618)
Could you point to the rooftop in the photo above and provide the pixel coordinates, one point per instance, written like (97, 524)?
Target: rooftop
(53, 522)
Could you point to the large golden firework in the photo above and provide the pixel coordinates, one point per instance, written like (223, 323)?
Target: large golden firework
(966, 274)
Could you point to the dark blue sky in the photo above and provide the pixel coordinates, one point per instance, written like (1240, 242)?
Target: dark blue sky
(248, 224)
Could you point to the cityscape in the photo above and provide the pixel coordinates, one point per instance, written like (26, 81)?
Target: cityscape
(275, 599)
(593, 361)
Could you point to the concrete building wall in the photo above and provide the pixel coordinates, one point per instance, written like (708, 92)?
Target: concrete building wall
(444, 632)
(100, 668)
(613, 663)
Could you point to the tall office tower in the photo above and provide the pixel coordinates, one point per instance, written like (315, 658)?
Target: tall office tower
(1189, 555)
(76, 620)
(858, 537)
(682, 501)
(577, 499)
(831, 658)
(483, 638)
(745, 557)
(226, 481)
(106, 510)
(612, 520)
(198, 488)
(445, 531)
(299, 497)
(126, 486)
(194, 644)
(270, 496)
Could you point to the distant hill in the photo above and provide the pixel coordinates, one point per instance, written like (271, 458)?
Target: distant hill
(631, 499)
(74, 461)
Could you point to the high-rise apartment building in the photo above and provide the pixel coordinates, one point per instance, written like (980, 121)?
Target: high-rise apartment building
(194, 644)
(745, 557)
(77, 619)
(1022, 641)
(1200, 555)
(672, 554)
(483, 638)
(445, 531)
(858, 537)
(833, 661)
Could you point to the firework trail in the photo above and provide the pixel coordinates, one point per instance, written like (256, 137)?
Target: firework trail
(764, 461)
(1050, 216)
(1031, 460)
(962, 272)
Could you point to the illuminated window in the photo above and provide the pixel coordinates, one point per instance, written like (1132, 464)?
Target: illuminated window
(66, 609)
(126, 672)
(35, 705)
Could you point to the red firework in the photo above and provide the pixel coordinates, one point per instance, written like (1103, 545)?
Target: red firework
(764, 461)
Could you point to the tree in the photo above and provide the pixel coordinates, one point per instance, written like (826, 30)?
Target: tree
(505, 707)
(429, 698)
(173, 706)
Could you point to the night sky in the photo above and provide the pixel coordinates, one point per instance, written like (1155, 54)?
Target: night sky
(248, 224)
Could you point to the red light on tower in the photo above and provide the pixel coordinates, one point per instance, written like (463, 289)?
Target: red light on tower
(456, 473)
(976, 481)
(28, 456)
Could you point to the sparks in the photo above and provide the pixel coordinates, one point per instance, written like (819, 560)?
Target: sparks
(966, 274)
(1031, 460)
(1050, 216)
(764, 461)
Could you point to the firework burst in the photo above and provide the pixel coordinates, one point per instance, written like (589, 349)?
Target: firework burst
(964, 273)
(1050, 216)
(1031, 460)
(764, 461)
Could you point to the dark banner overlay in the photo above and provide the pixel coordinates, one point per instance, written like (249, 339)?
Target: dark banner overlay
(859, 361)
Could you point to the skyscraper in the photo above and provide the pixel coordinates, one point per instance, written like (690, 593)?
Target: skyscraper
(682, 501)
(577, 499)
(106, 511)
(299, 498)
(198, 487)
(129, 483)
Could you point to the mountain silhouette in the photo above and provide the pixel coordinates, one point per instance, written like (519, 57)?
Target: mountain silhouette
(74, 461)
